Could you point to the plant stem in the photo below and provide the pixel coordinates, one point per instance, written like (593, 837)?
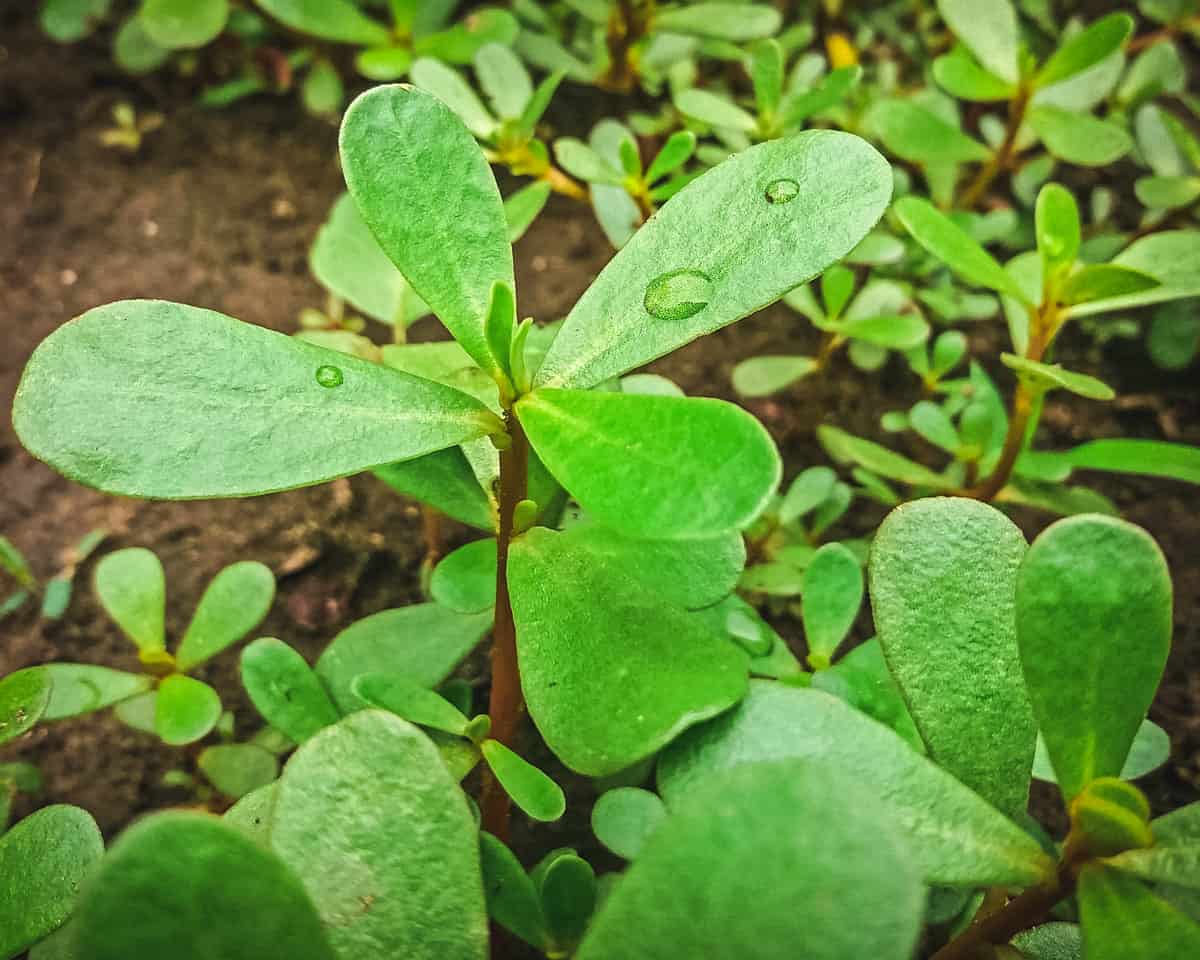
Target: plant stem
(567, 186)
(1014, 442)
(505, 703)
(626, 26)
(1000, 160)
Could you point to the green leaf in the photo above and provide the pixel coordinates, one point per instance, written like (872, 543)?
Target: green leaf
(1078, 137)
(1166, 193)
(846, 448)
(337, 20)
(238, 768)
(932, 423)
(185, 710)
(322, 91)
(1153, 458)
(43, 861)
(714, 110)
(1049, 376)
(285, 690)
(646, 668)
(919, 135)
(1094, 626)
(959, 74)
(674, 153)
(77, 688)
(381, 836)
(531, 790)
(736, 22)
(1151, 748)
(1123, 920)
(465, 580)
(830, 600)
(1103, 281)
(1050, 941)
(943, 575)
(411, 701)
(13, 562)
(1085, 49)
(233, 604)
(721, 250)
(460, 42)
(443, 480)
(189, 403)
(423, 642)
(766, 72)
(402, 149)
(447, 85)
(829, 92)
(522, 208)
(383, 64)
(623, 819)
(132, 589)
(512, 899)
(809, 490)
(504, 79)
(24, 697)
(68, 21)
(719, 878)
(1058, 229)
(183, 24)
(185, 885)
(863, 680)
(942, 237)
(1174, 859)
(989, 29)
(612, 452)
(568, 890)
(957, 838)
(900, 332)
(763, 376)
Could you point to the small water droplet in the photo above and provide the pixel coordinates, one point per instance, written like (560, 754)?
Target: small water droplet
(782, 191)
(677, 295)
(329, 376)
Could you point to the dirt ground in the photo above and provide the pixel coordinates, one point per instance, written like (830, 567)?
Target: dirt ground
(218, 210)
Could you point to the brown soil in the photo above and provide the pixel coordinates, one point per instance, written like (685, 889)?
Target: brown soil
(218, 210)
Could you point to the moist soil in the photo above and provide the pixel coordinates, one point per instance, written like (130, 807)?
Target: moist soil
(218, 210)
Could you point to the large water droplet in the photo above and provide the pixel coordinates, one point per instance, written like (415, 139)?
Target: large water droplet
(782, 191)
(677, 295)
(329, 376)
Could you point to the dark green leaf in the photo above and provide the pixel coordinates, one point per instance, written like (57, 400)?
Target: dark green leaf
(863, 680)
(285, 690)
(512, 899)
(568, 889)
(960, 74)
(830, 91)
(444, 480)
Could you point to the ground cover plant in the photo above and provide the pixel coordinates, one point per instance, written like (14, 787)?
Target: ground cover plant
(783, 716)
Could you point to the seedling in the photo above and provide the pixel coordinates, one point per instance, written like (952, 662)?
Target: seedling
(55, 592)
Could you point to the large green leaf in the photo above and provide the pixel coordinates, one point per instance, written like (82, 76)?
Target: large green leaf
(943, 579)
(132, 589)
(624, 819)
(957, 837)
(186, 885)
(588, 633)
(285, 690)
(654, 466)
(24, 696)
(43, 861)
(1094, 626)
(725, 246)
(382, 838)
(233, 605)
(989, 29)
(1152, 458)
(337, 20)
(424, 188)
(156, 399)
(719, 879)
(1123, 920)
(422, 642)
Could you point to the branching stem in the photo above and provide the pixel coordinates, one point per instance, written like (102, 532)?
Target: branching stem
(1002, 158)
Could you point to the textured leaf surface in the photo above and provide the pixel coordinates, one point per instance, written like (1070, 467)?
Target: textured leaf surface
(424, 188)
(589, 635)
(369, 817)
(957, 837)
(943, 583)
(1123, 920)
(24, 696)
(186, 885)
(232, 605)
(1094, 627)
(154, 399)
(718, 879)
(741, 250)
(654, 466)
(285, 690)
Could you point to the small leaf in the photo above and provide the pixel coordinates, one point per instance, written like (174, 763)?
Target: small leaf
(863, 680)
(24, 697)
(585, 440)
(233, 604)
(186, 710)
(512, 900)
(674, 154)
(1094, 626)
(714, 110)
(43, 861)
(337, 20)
(183, 24)
(1151, 748)
(448, 85)
(1049, 376)
(932, 423)
(1086, 49)
(322, 91)
(844, 447)
(238, 768)
(504, 79)
(383, 64)
(989, 29)
(531, 790)
(809, 490)
(285, 690)
(182, 885)
(938, 234)
(736, 22)
(1078, 137)
(623, 819)
(1123, 920)
(568, 890)
(580, 160)
(465, 580)
(765, 375)
(1050, 941)
(830, 600)
(960, 74)
(132, 589)
(900, 332)
(918, 135)
(829, 92)
(416, 704)
(523, 207)
(1058, 230)
(1104, 281)
(78, 688)
(1153, 458)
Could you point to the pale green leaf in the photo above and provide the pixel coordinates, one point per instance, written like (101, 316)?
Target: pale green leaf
(714, 110)
(233, 604)
(1151, 748)
(411, 701)
(530, 789)
(989, 29)
(1079, 137)
(919, 135)
(736, 22)
(236, 769)
(623, 819)
(465, 580)
(77, 688)
(285, 690)
(830, 598)
(183, 24)
(338, 20)
(765, 375)
(503, 79)
(185, 710)
(448, 85)
(132, 589)
(1058, 229)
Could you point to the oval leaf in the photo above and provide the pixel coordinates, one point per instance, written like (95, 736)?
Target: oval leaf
(233, 604)
(185, 710)
(830, 598)
(24, 696)
(623, 819)
(285, 690)
(416, 704)
(133, 590)
(531, 790)
(465, 580)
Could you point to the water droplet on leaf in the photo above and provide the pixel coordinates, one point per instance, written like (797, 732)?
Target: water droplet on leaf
(782, 191)
(677, 295)
(329, 376)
